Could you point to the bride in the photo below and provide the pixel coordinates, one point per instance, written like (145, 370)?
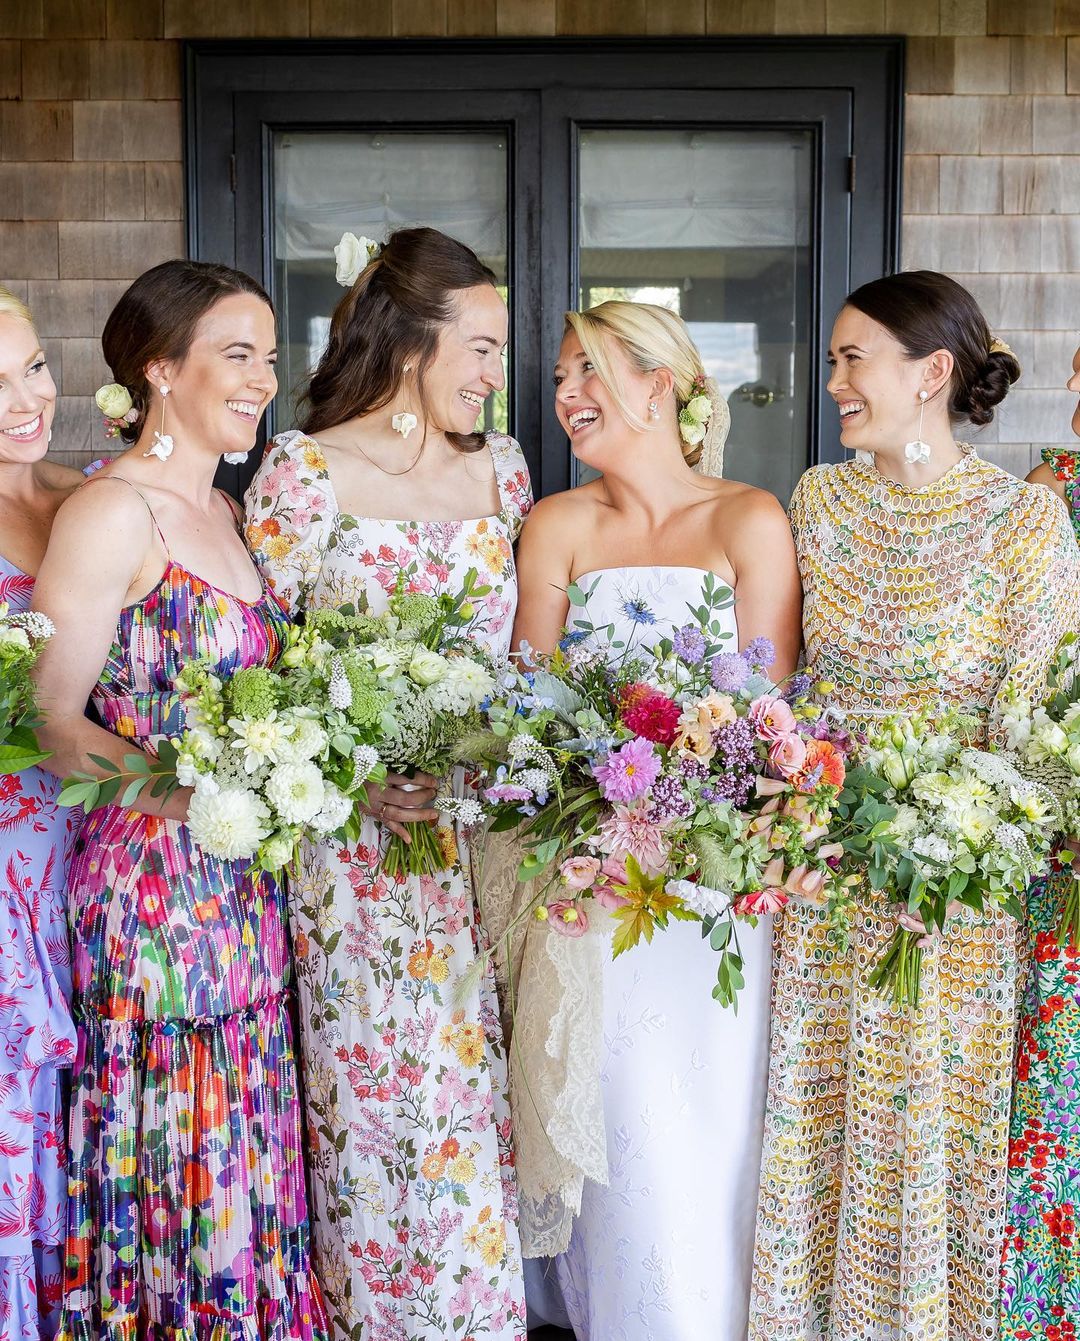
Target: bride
(657, 1198)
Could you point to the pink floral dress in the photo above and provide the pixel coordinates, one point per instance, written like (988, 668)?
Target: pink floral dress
(413, 1194)
(37, 1036)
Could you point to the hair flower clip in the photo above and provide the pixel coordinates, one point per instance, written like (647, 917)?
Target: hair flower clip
(115, 403)
(353, 255)
(695, 414)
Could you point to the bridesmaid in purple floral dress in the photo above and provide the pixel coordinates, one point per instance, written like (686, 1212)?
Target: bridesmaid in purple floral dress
(37, 1037)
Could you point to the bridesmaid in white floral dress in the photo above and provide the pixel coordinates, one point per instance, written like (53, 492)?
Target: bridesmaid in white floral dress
(413, 1194)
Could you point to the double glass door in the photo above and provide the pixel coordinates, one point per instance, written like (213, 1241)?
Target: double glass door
(729, 206)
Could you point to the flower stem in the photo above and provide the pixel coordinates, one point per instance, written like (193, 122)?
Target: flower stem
(422, 856)
(1068, 932)
(900, 969)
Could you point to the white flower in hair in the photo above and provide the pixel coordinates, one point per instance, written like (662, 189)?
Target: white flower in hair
(352, 255)
(113, 400)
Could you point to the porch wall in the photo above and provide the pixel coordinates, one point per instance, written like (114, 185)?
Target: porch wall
(91, 188)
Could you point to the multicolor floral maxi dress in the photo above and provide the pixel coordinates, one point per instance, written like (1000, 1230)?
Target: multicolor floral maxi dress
(37, 1036)
(882, 1205)
(413, 1193)
(188, 1215)
(1040, 1278)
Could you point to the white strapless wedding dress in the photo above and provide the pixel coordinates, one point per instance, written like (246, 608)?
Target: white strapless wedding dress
(664, 1252)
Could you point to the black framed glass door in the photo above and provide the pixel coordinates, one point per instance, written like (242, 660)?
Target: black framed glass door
(712, 176)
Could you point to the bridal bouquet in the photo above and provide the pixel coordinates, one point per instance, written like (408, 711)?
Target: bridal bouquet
(956, 825)
(678, 784)
(22, 636)
(1047, 743)
(272, 755)
(430, 681)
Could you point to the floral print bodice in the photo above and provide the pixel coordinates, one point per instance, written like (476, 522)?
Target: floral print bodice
(316, 556)
(1066, 468)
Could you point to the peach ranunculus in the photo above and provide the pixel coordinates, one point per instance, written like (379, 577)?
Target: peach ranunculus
(787, 754)
(579, 872)
(771, 717)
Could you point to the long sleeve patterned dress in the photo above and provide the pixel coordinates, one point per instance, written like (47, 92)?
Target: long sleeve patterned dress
(414, 1200)
(882, 1207)
(1040, 1279)
(187, 1216)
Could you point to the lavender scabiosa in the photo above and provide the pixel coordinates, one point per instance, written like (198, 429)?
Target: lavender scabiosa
(688, 644)
(728, 672)
(760, 653)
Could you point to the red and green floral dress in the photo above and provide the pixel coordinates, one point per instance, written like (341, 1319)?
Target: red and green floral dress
(1041, 1259)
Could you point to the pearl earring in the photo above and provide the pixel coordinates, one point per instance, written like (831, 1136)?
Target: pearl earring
(163, 445)
(918, 452)
(654, 410)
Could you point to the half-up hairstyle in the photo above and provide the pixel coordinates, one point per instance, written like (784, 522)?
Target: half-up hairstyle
(156, 318)
(652, 337)
(391, 316)
(926, 311)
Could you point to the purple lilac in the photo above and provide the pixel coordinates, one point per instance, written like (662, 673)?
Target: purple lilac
(728, 672)
(669, 800)
(628, 772)
(688, 644)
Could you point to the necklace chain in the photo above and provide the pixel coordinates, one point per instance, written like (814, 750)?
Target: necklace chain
(383, 469)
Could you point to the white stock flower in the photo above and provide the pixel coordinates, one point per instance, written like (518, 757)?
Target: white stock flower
(426, 667)
(228, 824)
(296, 791)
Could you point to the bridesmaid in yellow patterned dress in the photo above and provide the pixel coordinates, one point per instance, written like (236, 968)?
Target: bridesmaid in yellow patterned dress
(929, 576)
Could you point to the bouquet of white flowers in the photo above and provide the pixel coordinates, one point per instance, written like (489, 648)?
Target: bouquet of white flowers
(273, 755)
(956, 825)
(22, 636)
(1047, 745)
(431, 681)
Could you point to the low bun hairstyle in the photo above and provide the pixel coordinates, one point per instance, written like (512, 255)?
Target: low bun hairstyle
(926, 311)
(156, 318)
(391, 316)
(651, 337)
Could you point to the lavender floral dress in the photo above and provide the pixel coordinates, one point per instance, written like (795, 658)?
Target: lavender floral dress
(37, 1036)
(413, 1195)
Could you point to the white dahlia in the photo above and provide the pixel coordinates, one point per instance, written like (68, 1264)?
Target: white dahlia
(229, 824)
(296, 791)
(260, 738)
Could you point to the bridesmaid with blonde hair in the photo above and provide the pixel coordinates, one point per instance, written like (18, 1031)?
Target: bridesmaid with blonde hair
(37, 1036)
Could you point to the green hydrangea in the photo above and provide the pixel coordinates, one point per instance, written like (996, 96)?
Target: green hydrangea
(368, 697)
(338, 626)
(253, 691)
(415, 610)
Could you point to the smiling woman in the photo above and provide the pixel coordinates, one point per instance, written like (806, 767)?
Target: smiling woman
(414, 1212)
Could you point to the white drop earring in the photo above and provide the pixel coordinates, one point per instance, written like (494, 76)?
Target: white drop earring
(918, 452)
(163, 445)
(403, 422)
(654, 410)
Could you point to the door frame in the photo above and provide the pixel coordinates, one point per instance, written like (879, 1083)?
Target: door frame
(237, 93)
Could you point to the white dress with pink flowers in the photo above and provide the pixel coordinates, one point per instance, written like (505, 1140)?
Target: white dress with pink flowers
(412, 1185)
(664, 1252)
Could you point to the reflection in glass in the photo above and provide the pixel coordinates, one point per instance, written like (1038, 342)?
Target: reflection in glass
(714, 224)
(370, 183)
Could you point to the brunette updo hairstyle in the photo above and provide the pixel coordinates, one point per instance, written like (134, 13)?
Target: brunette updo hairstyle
(156, 318)
(391, 316)
(926, 311)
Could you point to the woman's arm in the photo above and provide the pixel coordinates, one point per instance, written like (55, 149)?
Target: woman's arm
(1042, 474)
(100, 542)
(544, 567)
(768, 593)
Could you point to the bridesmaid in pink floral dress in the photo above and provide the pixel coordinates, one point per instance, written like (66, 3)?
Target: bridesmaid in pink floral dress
(413, 1194)
(37, 1037)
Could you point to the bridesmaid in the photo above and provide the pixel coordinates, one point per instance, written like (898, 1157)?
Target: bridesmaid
(188, 1213)
(408, 1123)
(1060, 470)
(37, 1036)
(929, 577)
(1040, 1277)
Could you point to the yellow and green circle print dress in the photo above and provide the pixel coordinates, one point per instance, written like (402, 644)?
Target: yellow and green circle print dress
(882, 1204)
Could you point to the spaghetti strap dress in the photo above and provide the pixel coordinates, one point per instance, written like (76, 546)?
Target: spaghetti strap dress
(187, 1209)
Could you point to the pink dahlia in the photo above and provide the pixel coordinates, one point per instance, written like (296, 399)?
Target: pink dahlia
(630, 831)
(628, 772)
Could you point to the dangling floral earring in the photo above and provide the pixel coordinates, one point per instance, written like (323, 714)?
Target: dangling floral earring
(162, 446)
(918, 452)
(403, 422)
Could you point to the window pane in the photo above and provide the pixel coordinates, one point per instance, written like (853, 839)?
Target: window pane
(370, 183)
(714, 224)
